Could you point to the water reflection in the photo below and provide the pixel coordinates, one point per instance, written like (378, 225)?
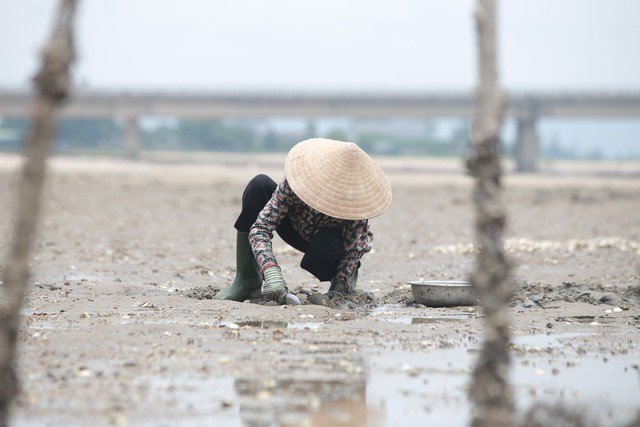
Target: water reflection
(264, 324)
(274, 324)
(333, 392)
(419, 320)
(329, 383)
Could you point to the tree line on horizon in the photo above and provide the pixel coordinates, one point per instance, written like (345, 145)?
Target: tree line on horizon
(106, 137)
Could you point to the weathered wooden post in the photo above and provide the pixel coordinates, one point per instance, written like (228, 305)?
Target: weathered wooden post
(132, 140)
(53, 82)
(527, 142)
(490, 390)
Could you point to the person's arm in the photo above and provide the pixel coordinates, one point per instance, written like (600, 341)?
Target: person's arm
(358, 241)
(260, 235)
(261, 232)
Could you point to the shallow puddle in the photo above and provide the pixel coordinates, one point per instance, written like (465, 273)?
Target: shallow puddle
(334, 400)
(272, 324)
(430, 388)
(408, 320)
(402, 315)
(392, 388)
(411, 320)
(321, 385)
(548, 340)
(266, 324)
(419, 320)
(311, 326)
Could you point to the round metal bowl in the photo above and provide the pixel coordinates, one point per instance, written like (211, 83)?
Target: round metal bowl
(443, 293)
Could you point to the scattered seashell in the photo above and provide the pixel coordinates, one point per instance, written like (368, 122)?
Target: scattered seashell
(83, 373)
(263, 395)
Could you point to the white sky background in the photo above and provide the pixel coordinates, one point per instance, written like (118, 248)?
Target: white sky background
(330, 44)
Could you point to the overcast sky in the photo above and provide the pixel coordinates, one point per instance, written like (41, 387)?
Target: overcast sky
(330, 44)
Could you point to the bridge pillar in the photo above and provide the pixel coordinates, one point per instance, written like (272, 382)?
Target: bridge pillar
(132, 139)
(527, 144)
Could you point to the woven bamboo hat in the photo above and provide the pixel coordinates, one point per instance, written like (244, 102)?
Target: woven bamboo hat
(338, 179)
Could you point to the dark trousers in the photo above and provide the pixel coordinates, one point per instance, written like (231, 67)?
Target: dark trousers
(322, 254)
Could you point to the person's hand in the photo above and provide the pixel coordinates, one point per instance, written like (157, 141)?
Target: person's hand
(274, 286)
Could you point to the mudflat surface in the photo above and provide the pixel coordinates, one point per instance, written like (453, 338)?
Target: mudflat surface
(112, 333)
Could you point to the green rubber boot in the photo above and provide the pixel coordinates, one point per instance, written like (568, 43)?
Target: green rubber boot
(247, 277)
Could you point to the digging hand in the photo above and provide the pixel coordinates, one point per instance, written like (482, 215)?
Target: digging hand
(274, 285)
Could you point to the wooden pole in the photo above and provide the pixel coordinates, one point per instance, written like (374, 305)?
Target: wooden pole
(490, 390)
(53, 82)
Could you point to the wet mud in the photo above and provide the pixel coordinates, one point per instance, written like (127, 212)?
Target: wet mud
(596, 294)
(121, 326)
(203, 292)
(358, 300)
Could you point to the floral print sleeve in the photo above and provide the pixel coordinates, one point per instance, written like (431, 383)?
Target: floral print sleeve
(358, 240)
(306, 221)
(269, 219)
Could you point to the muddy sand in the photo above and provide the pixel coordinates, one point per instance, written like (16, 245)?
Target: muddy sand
(119, 327)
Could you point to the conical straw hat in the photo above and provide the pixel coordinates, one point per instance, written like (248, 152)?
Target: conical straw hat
(338, 179)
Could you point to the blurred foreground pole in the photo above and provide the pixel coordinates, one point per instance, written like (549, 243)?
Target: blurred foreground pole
(131, 138)
(53, 82)
(490, 391)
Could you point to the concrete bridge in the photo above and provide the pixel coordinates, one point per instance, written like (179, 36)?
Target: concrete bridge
(525, 108)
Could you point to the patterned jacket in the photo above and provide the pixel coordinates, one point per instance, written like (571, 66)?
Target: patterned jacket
(356, 236)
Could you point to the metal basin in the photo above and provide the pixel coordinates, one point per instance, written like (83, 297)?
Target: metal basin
(443, 293)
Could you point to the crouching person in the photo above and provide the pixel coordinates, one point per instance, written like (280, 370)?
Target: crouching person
(321, 208)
